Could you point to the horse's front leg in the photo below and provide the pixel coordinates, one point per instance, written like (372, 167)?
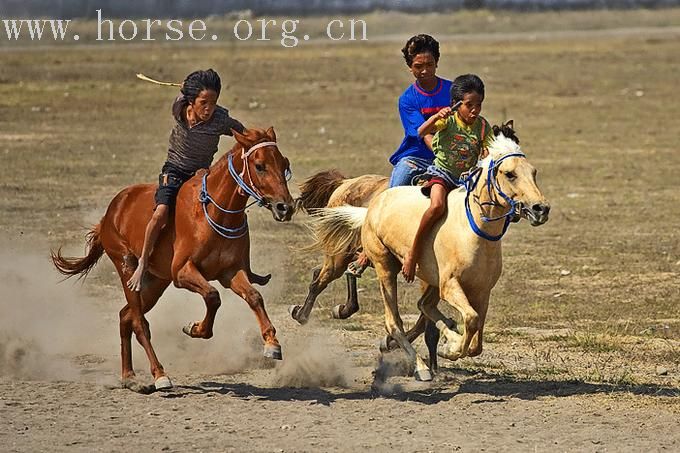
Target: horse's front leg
(482, 304)
(189, 277)
(457, 345)
(394, 324)
(240, 285)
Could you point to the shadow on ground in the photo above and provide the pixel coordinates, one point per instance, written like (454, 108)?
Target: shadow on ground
(448, 384)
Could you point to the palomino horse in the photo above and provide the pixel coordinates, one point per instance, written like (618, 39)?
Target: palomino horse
(329, 189)
(207, 240)
(461, 258)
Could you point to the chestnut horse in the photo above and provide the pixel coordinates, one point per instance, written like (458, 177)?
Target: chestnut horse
(461, 259)
(206, 239)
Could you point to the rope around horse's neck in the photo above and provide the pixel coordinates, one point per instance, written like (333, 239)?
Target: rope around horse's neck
(471, 182)
(204, 197)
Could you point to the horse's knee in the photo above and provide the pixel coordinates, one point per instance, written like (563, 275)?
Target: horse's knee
(125, 323)
(137, 326)
(213, 300)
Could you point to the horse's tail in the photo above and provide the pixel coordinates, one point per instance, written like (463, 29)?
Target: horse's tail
(71, 266)
(317, 190)
(337, 230)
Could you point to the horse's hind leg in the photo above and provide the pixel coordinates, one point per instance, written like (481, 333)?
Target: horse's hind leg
(344, 311)
(333, 267)
(189, 277)
(132, 320)
(240, 285)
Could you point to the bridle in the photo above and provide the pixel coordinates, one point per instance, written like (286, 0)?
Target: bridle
(248, 189)
(471, 182)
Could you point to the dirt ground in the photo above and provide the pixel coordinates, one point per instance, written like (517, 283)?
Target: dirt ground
(582, 347)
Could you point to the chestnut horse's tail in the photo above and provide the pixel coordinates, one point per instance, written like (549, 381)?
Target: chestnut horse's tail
(317, 190)
(71, 266)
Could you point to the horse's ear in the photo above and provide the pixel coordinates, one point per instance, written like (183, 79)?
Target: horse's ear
(240, 138)
(496, 130)
(271, 134)
(510, 124)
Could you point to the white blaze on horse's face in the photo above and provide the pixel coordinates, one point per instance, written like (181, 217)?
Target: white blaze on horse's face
(265, 171)
(269, 172)
(517, 179)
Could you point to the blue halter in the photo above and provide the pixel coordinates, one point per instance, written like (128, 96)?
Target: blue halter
(204, 198)
(471, 182)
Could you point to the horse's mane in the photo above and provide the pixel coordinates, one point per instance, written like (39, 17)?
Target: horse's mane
(499, 147)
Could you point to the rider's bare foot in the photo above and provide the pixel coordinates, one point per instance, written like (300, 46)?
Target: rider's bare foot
(409, 268)
(135, 282)
(358, 266)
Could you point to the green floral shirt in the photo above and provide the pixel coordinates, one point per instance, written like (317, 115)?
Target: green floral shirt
(457, 146)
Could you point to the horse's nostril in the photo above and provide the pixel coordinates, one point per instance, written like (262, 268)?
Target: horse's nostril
(282, 207)
(540, 208)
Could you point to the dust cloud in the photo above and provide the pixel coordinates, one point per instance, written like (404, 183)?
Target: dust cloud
(51, 329)
(47, 330)
(313, 360)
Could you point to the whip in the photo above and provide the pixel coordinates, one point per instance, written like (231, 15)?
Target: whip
(157, 82)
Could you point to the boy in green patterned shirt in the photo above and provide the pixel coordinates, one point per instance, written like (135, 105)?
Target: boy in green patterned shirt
(462, 138)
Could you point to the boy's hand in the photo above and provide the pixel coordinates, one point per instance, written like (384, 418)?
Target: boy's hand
(444, 113)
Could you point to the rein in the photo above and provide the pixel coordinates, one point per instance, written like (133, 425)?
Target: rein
(248, 190)
(471, 182)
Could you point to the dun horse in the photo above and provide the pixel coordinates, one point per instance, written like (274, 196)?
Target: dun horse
(206, 240)
(461, 258)
(330, 189)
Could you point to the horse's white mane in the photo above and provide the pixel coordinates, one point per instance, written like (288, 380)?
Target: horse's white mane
(499, 147)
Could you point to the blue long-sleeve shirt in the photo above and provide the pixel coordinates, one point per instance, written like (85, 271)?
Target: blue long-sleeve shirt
(415, 107)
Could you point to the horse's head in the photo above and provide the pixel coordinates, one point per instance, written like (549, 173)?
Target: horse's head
(515, 178)
(266, 170)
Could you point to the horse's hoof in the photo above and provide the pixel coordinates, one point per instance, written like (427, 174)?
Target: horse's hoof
(294, 311)
(423, 375)
(273, 351)
(444, 353)
(188, 328)
(335, 312)
(163, 383)
(384, 344)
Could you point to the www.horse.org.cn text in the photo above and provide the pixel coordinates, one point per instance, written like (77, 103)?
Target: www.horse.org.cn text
(286, 31)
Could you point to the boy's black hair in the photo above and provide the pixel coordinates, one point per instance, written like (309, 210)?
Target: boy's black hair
(192, 86)
(464, 84)
(420, 44)
(198, 81)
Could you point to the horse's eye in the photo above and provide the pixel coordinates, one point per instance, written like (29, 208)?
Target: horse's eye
(510, 175)
(259, 167)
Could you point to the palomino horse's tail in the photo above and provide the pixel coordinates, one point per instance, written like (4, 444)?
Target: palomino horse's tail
(71, 266)
(337, 230)
(317, 190)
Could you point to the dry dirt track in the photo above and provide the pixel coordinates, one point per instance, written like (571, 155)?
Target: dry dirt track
(219, 413)
(319, 399)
